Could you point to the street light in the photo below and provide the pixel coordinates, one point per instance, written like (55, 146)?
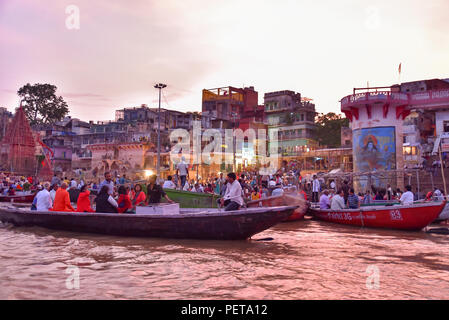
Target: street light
(159, 86)
(234, 115)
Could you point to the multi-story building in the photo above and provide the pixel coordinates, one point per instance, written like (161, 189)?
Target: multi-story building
(294, 118)
(226, 105)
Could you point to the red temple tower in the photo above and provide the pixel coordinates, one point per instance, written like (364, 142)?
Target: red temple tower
(18, 148)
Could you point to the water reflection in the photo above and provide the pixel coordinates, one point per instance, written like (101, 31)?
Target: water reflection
(305, 260)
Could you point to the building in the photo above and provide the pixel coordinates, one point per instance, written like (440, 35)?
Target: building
(394, 127)
(226, 105)
(293, 118)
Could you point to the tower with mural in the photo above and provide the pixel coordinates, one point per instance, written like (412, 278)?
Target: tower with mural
(376, 120)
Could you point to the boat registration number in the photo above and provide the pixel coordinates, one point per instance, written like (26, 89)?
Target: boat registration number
(395, 215)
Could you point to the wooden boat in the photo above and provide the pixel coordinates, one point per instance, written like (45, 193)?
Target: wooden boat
(187, 199)
(283, 200)
(414, 217)
(214, 224)
(25, 198)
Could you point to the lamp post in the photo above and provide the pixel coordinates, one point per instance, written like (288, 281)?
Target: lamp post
(234, 115)
(159, 86)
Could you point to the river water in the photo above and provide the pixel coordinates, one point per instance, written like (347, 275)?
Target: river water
(304, 260)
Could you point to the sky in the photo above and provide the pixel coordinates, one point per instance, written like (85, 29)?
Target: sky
(119, 49)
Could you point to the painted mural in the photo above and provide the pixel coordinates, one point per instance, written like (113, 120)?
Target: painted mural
(374, 149)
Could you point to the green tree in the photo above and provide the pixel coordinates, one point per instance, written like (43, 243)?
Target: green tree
(41, 104)
(329, 126)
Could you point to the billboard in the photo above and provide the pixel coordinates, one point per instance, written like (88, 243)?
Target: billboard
(374, 149)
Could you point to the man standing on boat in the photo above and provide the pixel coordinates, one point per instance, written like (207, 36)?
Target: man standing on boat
(315, 188)
(182, 170)
(232, 199)
(108, 182)
(155, 192)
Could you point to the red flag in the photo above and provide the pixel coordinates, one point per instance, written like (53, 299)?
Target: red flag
(400, 68)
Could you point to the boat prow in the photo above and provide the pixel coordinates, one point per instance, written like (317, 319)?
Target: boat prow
(413, 217)
(214, 224)
(286, 199)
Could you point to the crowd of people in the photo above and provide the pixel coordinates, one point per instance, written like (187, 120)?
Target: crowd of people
(346, 198)
(121, 195)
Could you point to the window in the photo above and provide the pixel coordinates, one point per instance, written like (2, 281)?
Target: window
(446, 126)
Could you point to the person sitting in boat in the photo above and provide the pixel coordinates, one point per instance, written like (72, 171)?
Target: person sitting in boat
(324, 200)
(105, 202)
(155, 192)
(353, 200)
(338, 201)
(43, 198)
(277, 191)
(11, 191)
(53, 190)
(168, 184)
(124, 202)
(62, 199)
(138, 197)
(368, 198)
(83, 202)
(407, 197)
(255, 195)
(232, 199)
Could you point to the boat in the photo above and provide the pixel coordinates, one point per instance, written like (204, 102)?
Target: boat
(211, 224)
(403, 217)
(444, 215)
(19, 198)
(283, 200)
(187, 199)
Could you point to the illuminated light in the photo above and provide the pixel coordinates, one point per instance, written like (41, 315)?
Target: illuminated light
(148, 173)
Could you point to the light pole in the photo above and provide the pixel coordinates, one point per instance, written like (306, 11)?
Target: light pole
(159, 86)
(234, 115)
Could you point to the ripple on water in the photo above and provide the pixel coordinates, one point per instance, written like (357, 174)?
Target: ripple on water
(305, 260)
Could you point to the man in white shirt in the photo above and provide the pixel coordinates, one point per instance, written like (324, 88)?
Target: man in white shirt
(232, 199)
(182, 170)
(43, 199)
(407, 197)
(168, 184)
(338, 200)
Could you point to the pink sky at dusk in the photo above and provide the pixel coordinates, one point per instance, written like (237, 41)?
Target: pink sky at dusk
(322, 49)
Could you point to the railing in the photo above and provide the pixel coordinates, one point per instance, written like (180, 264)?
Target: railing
(420, 98)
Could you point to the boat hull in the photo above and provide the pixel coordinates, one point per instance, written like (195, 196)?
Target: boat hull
(18, 199)
(283, 200)
(213, 225)
(413, 217)
(444, 215)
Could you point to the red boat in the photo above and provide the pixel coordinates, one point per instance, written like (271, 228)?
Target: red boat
(282, 200)
(26, 198)
(414, 217)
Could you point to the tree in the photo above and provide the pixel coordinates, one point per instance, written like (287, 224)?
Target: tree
(329, 126)
(41, 105)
